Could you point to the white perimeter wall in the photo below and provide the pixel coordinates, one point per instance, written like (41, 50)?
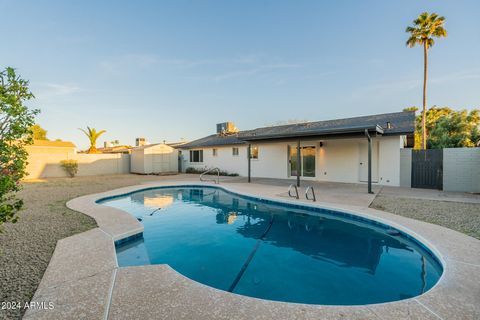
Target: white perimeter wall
(337, 160)
(46, 164)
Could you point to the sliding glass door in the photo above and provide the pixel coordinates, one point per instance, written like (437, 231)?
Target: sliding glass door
(307, 158)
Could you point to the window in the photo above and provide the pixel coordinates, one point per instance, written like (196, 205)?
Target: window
(196, 155)
(234, 151)
(254, 152)
(214, 152)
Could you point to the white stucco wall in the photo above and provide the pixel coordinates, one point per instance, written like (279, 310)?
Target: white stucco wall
(272, 161)
(338, 160)
(224, 159)
(389, 164)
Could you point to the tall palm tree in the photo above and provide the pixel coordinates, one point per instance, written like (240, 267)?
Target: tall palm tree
(92, 135)
(424, 28)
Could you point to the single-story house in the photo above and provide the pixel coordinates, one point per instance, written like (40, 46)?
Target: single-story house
(333, 150)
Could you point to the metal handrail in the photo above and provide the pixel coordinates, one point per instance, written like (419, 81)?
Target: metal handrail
(314, 198)
(296, 191)
(217, 181)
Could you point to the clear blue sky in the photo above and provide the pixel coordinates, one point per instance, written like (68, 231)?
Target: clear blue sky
(173, 69)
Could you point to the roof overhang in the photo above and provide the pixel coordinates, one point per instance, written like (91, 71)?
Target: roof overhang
(345, 133)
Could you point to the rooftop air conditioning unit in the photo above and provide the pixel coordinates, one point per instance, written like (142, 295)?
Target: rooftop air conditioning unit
(226, 128)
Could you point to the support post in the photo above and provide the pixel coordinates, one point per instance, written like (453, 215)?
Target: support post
(249, 155)
(299, 164)
(369, 161)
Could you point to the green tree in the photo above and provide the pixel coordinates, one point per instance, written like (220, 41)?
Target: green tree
(454, 129)
(38, 132)
(424, 28)
(16, 121)
(92, 136)
(448, 128)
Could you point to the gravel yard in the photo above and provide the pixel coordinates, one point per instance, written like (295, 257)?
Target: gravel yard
(460, 216)
(26, 246)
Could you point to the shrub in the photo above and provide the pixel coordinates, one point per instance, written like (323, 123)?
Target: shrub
(70, 167)
(202, 170)
(16, 119)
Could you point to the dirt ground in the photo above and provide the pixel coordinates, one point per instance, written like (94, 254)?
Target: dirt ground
(27, 246)
(459, 216)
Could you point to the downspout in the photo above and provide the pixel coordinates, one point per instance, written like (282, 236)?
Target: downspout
(299, 165)
(369, 161)
(249, 155)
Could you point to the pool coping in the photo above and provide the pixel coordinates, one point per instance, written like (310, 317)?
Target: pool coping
(455, 295)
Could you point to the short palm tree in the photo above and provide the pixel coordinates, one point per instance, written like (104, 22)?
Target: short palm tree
(424, 28)
(92, 135)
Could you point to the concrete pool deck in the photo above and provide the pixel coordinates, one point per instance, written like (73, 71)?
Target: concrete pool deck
(83, 279)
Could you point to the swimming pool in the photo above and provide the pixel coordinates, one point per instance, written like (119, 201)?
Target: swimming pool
(274, 251)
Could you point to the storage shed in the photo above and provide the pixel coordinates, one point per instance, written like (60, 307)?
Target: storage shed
(154, 158)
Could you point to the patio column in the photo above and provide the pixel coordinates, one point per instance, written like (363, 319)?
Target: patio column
(249, 155)
(299, 165)
(369, 161)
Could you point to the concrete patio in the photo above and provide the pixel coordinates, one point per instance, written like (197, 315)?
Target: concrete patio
(83, 279)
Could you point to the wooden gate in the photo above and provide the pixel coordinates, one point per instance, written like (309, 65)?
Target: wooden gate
(427, 169)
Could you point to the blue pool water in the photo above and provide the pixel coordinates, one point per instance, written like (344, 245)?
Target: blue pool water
(273, 251)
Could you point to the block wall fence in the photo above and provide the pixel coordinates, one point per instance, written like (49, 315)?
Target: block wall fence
(461, 169)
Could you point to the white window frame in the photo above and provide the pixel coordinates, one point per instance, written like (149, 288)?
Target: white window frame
(235, 151)
(200, 155)
(214, 152)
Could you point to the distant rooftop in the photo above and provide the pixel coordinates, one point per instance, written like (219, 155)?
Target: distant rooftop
(115, 149)
(398, 123)
(48, 143)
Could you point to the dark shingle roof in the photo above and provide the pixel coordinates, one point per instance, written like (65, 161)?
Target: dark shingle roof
(213, 140)
(400, 123)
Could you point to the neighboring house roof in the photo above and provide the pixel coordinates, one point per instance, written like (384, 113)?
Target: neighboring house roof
(115, 149)
(147, 146)
(48, 143)
(172, 144)
(398, 123)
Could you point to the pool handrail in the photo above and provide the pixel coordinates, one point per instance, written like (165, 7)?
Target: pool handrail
(314, 198)
(217, 181)
(293, 186)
